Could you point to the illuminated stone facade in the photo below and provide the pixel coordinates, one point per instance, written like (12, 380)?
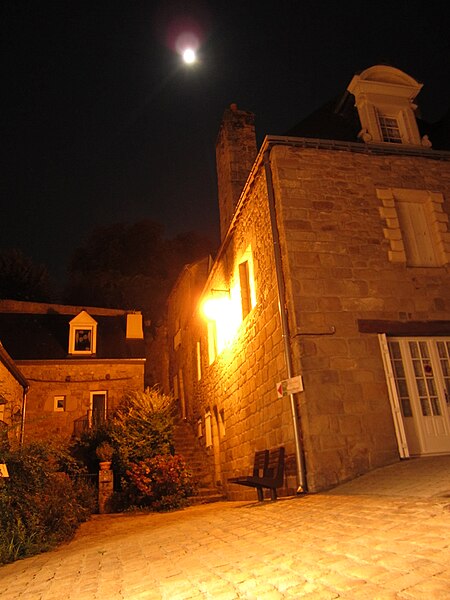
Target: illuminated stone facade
(71, 388)
(348, 276)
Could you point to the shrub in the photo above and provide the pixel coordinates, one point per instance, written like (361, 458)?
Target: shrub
(162, 482)
(39, 505)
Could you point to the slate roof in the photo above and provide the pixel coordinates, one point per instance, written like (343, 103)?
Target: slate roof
(29, 336)
(338, 120)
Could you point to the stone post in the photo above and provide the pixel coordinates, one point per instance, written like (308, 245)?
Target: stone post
(105, 490)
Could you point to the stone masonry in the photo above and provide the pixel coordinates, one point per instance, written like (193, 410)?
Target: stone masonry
(75, 381)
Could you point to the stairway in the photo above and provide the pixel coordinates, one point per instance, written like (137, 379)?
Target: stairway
(198, 462)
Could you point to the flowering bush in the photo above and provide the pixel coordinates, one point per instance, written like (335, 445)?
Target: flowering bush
(40, 506)
(162, 482)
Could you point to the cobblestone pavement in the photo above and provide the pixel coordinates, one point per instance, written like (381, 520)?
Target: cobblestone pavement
(384, 536)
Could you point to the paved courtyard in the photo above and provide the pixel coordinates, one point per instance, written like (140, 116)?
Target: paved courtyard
(384, 536)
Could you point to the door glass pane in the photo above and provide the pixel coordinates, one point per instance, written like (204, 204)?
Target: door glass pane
(413, 349)
(400, 378)
(425, 406)
(406, 407)
(436, 407)
(431, 387)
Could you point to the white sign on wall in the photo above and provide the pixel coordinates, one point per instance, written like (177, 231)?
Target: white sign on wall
(290, 386)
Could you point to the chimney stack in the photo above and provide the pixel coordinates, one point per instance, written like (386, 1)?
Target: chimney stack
(235, 154)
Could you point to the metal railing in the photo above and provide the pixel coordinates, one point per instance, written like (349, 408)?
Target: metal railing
(93, 419)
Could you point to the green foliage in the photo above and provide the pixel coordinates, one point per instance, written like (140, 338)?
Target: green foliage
(83, 448)
(104, 452)
(40, 506)
(142, 427)
(163, 482)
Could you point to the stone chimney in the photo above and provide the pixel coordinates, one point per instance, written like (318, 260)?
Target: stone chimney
(134, 326)
(235, 154)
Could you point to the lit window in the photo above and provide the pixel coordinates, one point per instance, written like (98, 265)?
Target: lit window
(59, 403)
(390, 130)
(199, 360)
(244, 281)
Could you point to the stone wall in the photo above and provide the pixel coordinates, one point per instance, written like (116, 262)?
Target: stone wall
(239, 387)
(336, 260)
(11, 392)
(75, 381)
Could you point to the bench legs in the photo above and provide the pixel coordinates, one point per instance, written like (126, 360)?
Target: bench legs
(260, 494)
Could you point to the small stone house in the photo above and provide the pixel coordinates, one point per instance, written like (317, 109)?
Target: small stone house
(13, 390)
(78, 363)
(333, 277)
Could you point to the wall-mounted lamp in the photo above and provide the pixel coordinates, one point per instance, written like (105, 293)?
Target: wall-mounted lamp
(217, 292)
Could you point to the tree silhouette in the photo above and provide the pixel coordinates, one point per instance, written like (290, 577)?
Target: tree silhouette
(21, 279)
(131, 266)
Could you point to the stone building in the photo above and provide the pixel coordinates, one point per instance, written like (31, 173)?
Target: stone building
(78, 363)
(333, 272)
(13, 390)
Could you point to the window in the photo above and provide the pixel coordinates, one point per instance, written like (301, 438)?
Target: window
(208, 430)
(244, 281)
(59, 403)
(83, 334)
(83, 340)
(417, 234)
(416, 226)
(390, 130)
(199, 360)
(384, 99)
(98, 408)
(175, 387)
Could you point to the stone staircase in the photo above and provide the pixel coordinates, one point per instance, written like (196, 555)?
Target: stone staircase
(199, 462)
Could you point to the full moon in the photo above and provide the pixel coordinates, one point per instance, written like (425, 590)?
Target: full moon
(189, 56)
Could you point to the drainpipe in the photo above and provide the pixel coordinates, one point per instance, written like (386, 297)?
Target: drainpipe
(22, 423)
(301, 479)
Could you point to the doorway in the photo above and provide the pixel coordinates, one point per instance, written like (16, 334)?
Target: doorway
(421, 371)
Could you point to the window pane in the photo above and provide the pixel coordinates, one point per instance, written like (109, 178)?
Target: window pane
(425, 406)
(436, 407)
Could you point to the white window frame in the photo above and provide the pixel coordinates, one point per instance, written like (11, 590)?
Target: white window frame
(83, 322)
(59, 403)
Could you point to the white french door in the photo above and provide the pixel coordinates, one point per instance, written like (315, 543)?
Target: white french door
(421, 370)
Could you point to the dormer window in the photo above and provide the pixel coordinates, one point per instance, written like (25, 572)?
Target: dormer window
(390, 130)
(384, 98)
(83, 334)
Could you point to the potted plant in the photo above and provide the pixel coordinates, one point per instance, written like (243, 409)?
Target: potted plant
(105, 453)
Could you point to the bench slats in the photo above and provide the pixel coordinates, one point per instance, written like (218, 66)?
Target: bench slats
(268, 472)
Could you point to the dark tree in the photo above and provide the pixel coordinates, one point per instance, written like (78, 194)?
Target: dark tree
(21, 279)
(131, 266)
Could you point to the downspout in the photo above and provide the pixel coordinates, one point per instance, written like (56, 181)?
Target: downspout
(22, 423)
(301, 478)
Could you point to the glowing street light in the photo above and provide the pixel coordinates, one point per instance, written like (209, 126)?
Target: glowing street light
(189, 56)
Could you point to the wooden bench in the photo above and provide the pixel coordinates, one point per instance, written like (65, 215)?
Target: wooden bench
(268, 473)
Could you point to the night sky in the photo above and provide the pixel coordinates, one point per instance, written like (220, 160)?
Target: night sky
(101, 122)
